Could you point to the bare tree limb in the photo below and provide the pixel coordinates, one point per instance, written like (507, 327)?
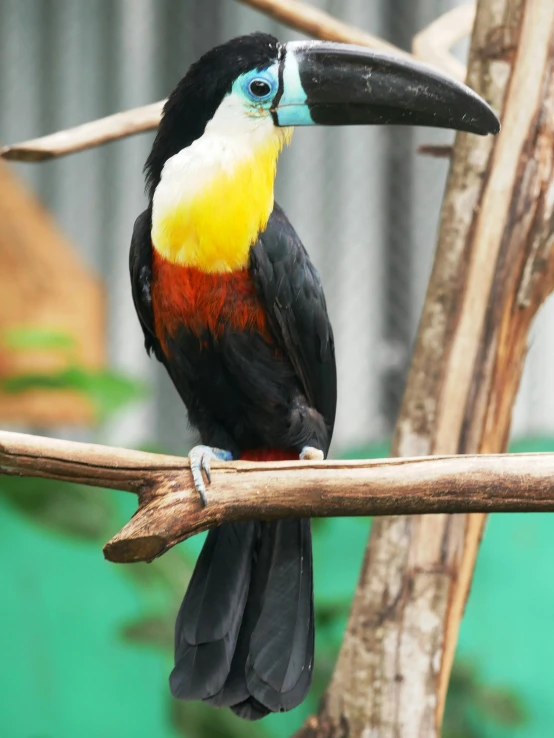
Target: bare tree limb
(439, 151)
(95, 133)
(321, 25)
(432, 46)
(170, 509)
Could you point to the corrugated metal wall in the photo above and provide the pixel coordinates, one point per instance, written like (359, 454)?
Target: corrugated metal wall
(364, 204)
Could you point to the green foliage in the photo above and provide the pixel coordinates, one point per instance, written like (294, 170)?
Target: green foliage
(109, 391)
(198, 720)
(161, 585)
(69, 509)
(471, 705)
(38, 339)
(150, 630)
(66, 508)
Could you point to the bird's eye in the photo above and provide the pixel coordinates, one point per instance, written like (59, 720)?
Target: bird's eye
(259, 88)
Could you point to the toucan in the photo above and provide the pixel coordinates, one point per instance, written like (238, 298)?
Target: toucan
(231, 305)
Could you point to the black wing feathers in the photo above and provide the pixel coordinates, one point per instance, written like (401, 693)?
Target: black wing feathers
(278, 670)
(140, 267)
(244, 636)
(211, 613)
(291, 291)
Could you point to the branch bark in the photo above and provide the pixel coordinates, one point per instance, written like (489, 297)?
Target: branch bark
(431, 46)
(88, 135)
(493, 268)
(319, 24)
(439, 151)
(170, 510)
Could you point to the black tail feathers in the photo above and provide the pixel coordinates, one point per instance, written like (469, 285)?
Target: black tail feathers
(244, 636)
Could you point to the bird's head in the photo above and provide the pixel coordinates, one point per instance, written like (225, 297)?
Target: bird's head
(211, 172)
(253, 81)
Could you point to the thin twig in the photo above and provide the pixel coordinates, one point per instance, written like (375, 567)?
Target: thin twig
(439, 151)
(170, 510)
(319, 24)
(433, 43)
(95, 133)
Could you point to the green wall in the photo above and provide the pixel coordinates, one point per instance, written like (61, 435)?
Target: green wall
(65, 672)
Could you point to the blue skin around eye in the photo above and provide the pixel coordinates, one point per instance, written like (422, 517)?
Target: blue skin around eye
(242, 83)
(292, 109)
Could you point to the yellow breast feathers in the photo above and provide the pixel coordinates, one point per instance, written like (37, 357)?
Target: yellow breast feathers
(213, 200)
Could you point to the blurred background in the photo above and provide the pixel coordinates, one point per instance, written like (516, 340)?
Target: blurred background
(86, 646)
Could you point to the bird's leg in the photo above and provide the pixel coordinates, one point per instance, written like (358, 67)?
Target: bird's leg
(200, 458)
(310, 453)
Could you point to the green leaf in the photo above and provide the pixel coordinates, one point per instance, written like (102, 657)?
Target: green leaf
(25, 382)
(198, 720)
(72, 509)
(503, 707)
(38, 338)
(155, 630)
(460, 730)
(108, 390)
(168, 574)
(463, 681)
(472, 705)
(329, 612)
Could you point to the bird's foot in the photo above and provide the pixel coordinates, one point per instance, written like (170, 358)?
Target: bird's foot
(200, 458)
(309, 453)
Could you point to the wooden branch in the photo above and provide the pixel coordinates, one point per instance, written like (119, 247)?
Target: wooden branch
(95, 133)
(493, 268)
(300, 16)
(439, 151)
(321, 25)
(170, 509)
(433, 44)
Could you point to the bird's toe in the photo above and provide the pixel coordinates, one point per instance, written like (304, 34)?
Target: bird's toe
(309, 453)
(200, 458)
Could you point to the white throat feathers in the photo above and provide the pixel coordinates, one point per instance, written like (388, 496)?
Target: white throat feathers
(216, 196)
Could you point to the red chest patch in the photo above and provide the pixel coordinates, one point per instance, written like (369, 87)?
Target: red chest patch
(184, 296)
(269, 454)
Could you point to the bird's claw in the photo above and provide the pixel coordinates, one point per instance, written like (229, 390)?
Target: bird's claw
(200, 458)
(310, 453)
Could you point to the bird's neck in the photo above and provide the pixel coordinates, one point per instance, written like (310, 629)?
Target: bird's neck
(214, 199)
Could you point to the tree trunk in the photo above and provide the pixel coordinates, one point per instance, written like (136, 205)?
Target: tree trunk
(493, 268)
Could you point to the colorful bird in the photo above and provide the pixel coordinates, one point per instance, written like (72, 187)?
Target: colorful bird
(231, 305)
